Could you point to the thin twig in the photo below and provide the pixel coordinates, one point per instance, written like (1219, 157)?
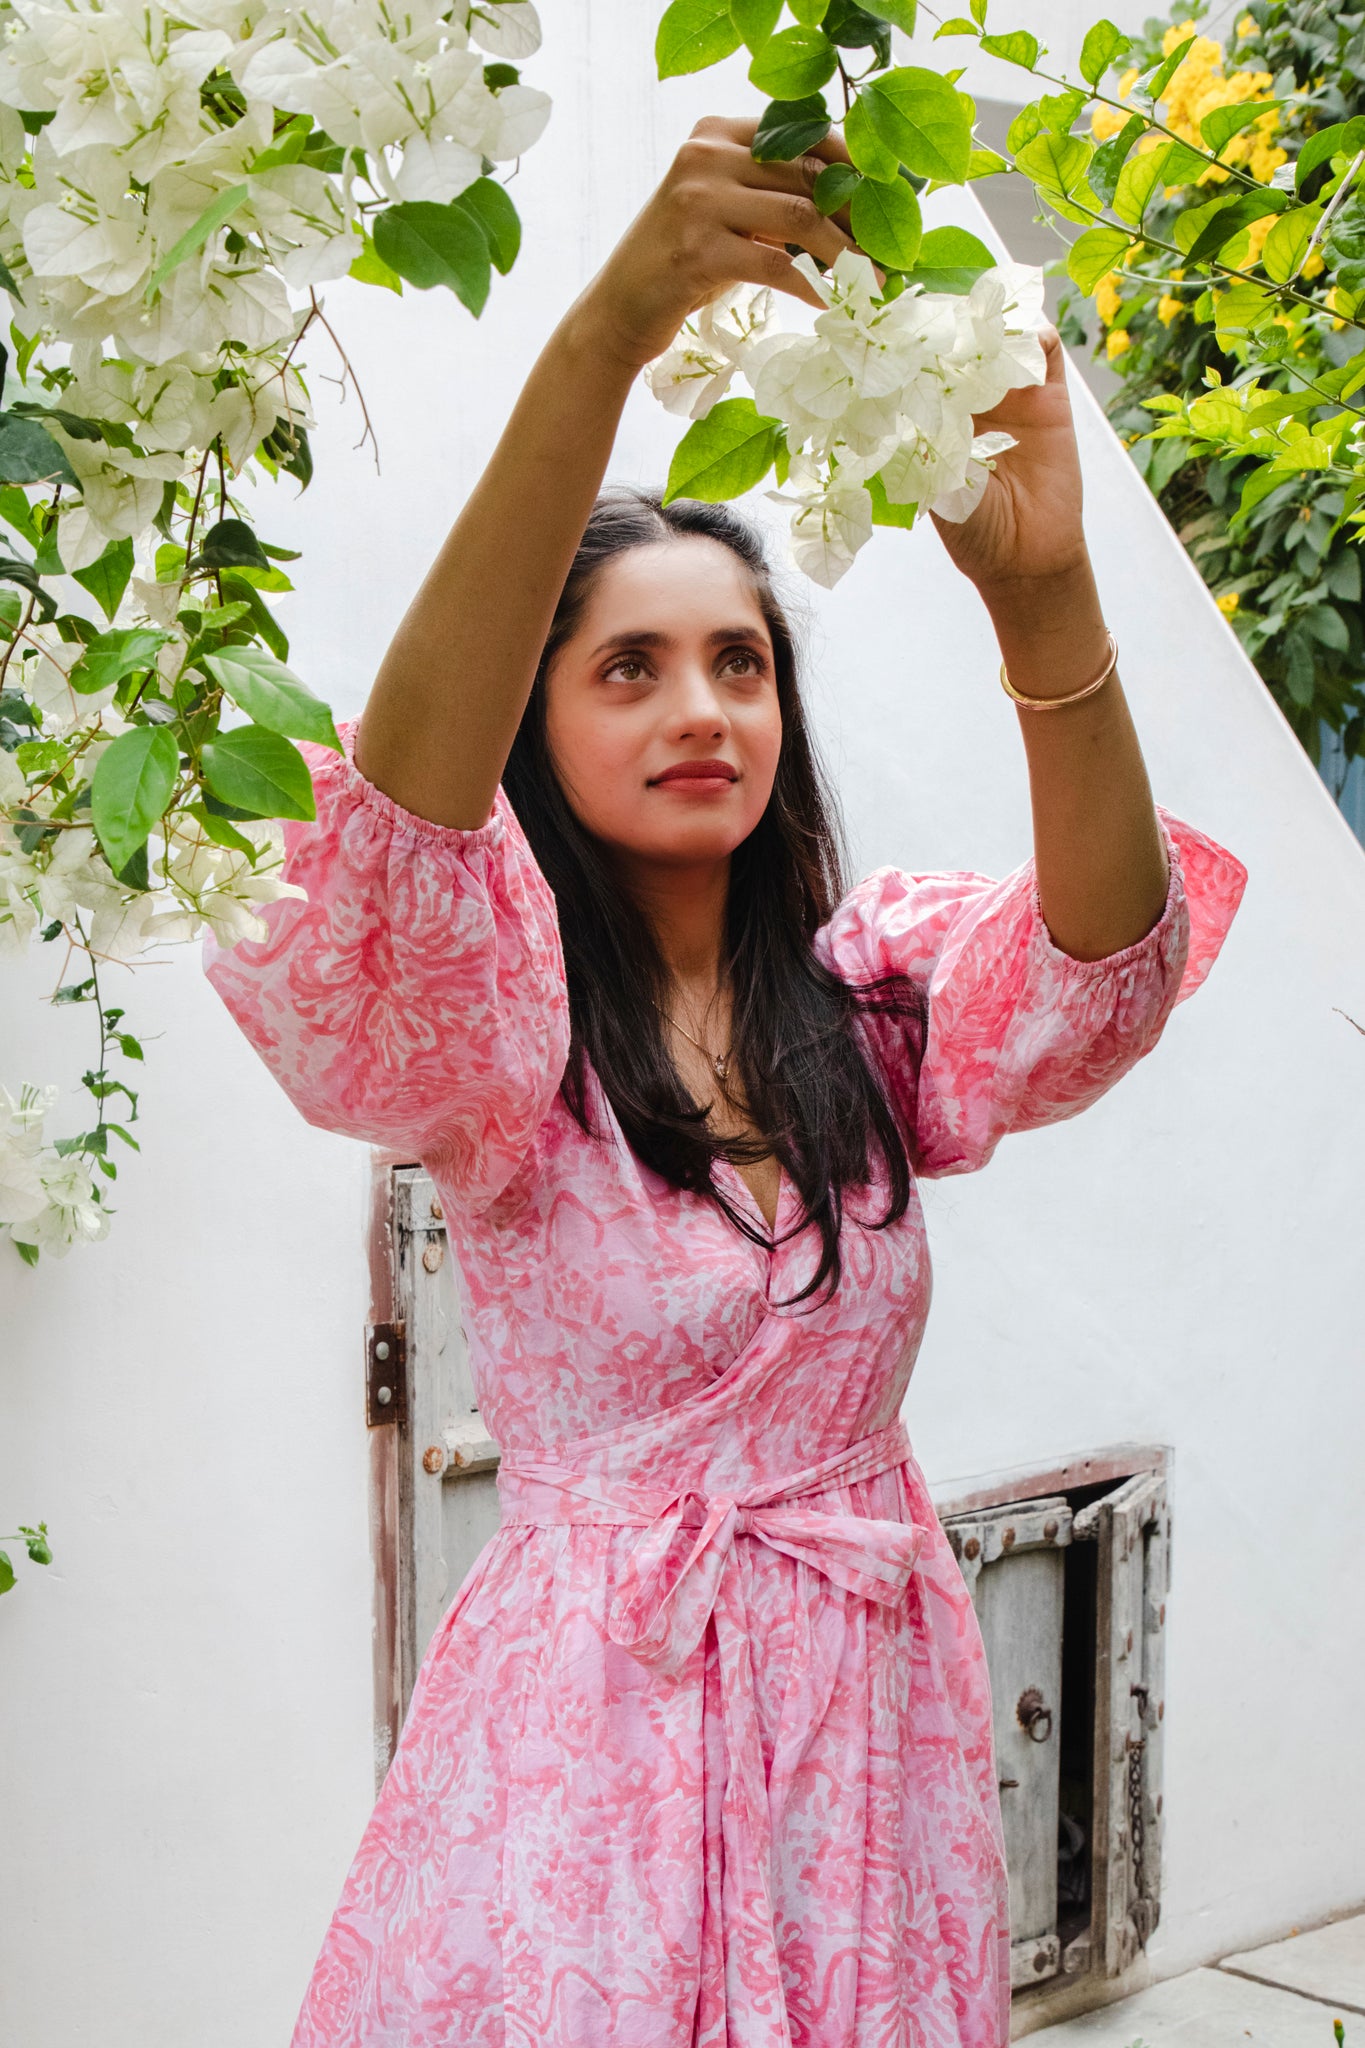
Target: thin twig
(347, 371)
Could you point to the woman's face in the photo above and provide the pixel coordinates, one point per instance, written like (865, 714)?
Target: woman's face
(661, 709)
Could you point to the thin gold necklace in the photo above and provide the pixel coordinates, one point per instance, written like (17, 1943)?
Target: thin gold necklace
(720, 1061)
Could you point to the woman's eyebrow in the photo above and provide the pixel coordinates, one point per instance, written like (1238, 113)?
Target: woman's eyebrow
(650, 637)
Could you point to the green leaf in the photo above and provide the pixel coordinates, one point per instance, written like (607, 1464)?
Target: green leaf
(1057, 164)
(694, 34)
(1018, 47)
(834, 187)
(788, 128)
(950, 260)
(1202, 232)
(1243, 309)
(220, 831)
(369, 267)
(1137, 181)
(259, 773)
(36, 1543)
(491, 205)
(1301, 669)
(1102, 47)
(1094, 254)
(1110, 158)
(723, 455)
(1327, 627)
(1166, 71)
(29, 455)
(111, 656)
(1285, 247)
(985, 163)
(287, 147)
(1027, 123)
(208, 223)
(17, 512)
(884, 512)
(239, 590)
(1343, 577)
(271, 695)
(811, 12)
(130, 790)
(869, 153)
(958, 26)
(1182, 165)
(900, 13)
(918, 115)
(1058, 111)
(230, 544)
(107, 578)
(7, 1579)
(793, 63)
(436, 245)
(1218, 127)
(755, 20)
(886, 223)
(1343, 138)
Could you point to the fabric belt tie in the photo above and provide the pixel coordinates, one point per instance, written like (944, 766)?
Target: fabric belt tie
(681, 1573)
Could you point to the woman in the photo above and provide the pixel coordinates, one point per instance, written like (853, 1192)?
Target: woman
(701, 1754)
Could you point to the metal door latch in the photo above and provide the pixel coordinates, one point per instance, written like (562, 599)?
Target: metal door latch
(386, 1374)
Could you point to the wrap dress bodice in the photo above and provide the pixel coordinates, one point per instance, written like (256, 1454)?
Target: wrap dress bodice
(700, 1755)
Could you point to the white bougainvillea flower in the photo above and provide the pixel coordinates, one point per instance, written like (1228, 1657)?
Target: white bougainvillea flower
(832, 521)
(876, 389)
(22, 1195)
(998, 347)
(434, 169)
(71, 1213)
(960, 502)
(86, 224)
(695, 373)
(505, 28)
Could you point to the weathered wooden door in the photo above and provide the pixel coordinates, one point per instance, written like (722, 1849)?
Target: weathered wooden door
(1014, 1558)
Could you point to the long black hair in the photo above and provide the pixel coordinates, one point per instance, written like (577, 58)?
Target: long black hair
(804, 1041)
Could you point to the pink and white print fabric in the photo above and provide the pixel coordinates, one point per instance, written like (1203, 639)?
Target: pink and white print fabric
(700, 1755)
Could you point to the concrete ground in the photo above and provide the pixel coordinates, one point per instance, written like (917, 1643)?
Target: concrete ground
(1283, 1996)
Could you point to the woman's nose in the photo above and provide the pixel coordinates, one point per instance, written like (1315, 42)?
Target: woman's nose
(697, 708)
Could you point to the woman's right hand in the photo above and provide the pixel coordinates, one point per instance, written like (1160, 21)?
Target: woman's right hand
(719, 218)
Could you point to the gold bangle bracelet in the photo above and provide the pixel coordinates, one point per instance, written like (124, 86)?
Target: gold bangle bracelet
(1055, 703)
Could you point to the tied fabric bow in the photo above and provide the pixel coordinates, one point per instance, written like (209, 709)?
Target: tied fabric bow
(680, 1575)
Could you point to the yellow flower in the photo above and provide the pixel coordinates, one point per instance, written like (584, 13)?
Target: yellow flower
(1117, 343)
(1176, 33)
(1313, 265)
(1227, 603)
(1106, 121)
(1107, 299)
(1337, 297)
(1167, 309)
(1246, 27)
(1256, 235)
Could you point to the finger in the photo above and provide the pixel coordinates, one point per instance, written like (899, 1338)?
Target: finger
(783, 217)
(751, 262)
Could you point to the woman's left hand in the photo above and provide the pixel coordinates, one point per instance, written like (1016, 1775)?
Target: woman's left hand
(1028, 523)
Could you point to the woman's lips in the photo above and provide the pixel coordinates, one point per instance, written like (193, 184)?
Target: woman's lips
(698, 778)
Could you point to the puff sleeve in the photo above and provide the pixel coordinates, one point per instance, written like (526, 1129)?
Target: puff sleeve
(1019, 1032)
(416, 999)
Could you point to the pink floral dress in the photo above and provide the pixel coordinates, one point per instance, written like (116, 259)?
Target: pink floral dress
(700, 1755)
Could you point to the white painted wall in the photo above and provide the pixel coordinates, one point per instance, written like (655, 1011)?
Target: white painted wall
(185, 1721)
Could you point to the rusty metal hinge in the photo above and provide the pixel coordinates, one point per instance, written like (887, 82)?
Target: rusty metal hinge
(386, 1373)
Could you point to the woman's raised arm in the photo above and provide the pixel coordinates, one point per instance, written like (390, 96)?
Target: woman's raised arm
(452, 687)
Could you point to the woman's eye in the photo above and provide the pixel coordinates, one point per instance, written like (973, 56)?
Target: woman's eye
(626, 668)
(752, 662)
